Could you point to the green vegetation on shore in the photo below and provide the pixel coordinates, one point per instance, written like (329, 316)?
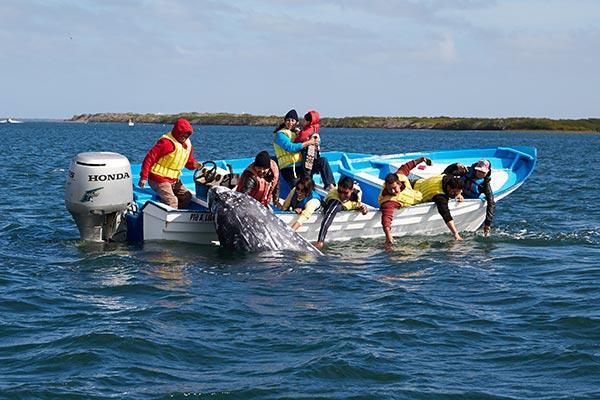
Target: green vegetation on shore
(444, 123)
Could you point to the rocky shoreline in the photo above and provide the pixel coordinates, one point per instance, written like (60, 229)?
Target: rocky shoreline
(441, 123)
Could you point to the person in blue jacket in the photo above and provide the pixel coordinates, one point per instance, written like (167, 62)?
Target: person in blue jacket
(289, 154)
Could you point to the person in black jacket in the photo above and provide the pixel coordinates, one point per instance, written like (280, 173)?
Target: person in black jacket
(476, 181)
(261, 180)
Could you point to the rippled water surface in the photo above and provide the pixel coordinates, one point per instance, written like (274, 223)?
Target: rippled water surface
(515, 315)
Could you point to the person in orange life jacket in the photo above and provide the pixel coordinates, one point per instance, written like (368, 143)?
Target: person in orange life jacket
(345, 196)
(311, 155)
(303, 200)
(164, 162)
(476, 180)
(288, 153)
(440, 189)
(261, 180)
(397, 192)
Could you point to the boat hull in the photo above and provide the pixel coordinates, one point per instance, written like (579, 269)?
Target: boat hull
(161, 222)
(196, 225)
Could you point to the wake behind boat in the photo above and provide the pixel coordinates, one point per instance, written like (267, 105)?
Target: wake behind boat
(100, 188)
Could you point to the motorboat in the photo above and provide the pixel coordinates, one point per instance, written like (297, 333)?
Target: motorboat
(10, 121)
(144, 218)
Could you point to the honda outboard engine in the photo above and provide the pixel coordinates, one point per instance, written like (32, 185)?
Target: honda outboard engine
(98, 193)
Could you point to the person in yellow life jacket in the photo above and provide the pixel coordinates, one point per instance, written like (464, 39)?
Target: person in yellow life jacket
(288, 153)
(440, 189)
(261, 180)
(397, 192)
(345, 196)
(164, 162)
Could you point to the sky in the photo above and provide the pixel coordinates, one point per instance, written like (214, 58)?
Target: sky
(459, 58)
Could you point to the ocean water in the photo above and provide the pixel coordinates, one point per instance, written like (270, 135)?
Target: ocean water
(512, 316)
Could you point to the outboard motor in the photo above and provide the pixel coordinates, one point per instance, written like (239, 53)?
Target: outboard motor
(98, 193)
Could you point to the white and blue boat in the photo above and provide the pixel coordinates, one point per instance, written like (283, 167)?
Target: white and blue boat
(150, 219)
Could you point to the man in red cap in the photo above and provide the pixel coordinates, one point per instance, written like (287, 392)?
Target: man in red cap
(476, 181)
(164, 162)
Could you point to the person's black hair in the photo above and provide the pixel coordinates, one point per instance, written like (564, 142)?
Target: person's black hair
(455, 183)
(262, 159)
(391, 178)
(308, 117)
(345, 183)
(279, 127)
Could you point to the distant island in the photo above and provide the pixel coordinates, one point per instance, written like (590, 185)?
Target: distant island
(442, 123)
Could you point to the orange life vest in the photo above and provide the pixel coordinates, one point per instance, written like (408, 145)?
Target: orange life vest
(263, 190)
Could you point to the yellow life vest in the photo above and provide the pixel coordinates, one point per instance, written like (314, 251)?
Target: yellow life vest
(348, 204)
(407, 197)
(170, 165)
(284, 158)
(430, 187)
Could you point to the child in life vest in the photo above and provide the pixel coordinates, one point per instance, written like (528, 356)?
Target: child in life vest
(313, 162)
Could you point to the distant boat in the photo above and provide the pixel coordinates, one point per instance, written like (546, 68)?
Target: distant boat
(130, 123)
(10, 121)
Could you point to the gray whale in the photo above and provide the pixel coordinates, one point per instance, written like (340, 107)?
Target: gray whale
(242, 223)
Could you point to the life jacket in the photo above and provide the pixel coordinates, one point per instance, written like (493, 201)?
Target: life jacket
(170, 165)
(430, 187)
(284, 158)
(353, 203)
(471, 184)
(295, 203)
(263, 190)
(407, 196)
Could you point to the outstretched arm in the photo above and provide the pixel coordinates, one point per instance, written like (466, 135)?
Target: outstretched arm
(387, 216)
(441, 203)
(491, 206)
(331, 209)
(407, 167)
(308, 210)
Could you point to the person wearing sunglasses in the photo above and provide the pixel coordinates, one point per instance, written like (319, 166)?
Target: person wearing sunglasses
(303, 200)
(345, 196)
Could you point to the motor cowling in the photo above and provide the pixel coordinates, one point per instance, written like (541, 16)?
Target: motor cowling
(97, 194)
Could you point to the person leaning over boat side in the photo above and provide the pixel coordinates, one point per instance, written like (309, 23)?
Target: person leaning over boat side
(260, 180)
(164, 162)
(440, 189)
(476, 181)
(303, 200)
(288, 153)
(397, 192)
(311, 155)
(345, 196)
